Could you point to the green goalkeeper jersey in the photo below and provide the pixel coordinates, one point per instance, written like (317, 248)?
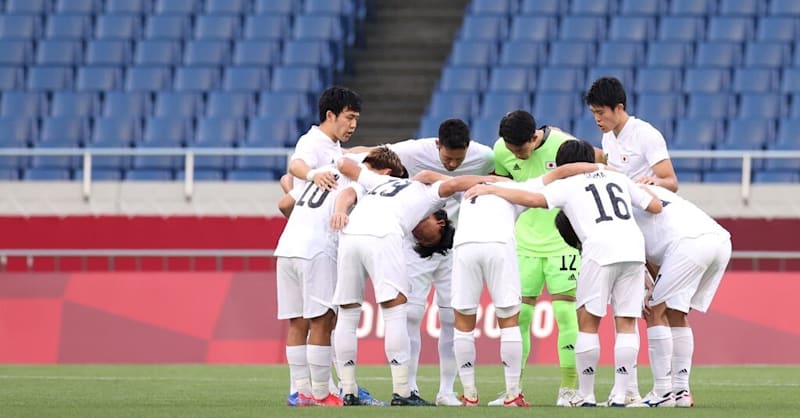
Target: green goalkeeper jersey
(536, 233)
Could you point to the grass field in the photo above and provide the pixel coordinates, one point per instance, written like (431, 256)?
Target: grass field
(260, 391)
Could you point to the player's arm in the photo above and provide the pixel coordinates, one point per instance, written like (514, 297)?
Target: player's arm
(349, 168)
(323, 178)
(664, 176)
(654, 205)
(430, 177)
(462, 183)
(286, 183)
(341, 207)
(600, 156)
(569, 170)
(359, 150)
(286, 204)
(516, 196)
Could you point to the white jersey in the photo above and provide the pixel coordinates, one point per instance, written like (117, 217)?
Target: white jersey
(598, 205)
(392, 206)
(422, 154)
(679, 219)
(636, 150)
(316, 149)
(307, 232)
(489, 218)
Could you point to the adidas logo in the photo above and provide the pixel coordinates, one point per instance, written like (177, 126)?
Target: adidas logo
(350, 363)
(571, 277)
(467, 365)
(394, 362)
(683, 371)
(516, 167)
(588, 371)
(622, 370)
(568, 347)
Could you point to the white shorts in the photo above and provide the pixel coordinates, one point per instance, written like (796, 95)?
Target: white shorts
(691, 273)
(380, 258)
(424, 272)
(492, 263)
(621, 284)
(305, 287)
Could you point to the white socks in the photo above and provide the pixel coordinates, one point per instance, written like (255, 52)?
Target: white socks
(414, 315)
(511, 355)
(633, 373)
(659, 342)
(346, 346)
(448, 369)
(319, 365)
(587, 355)
(682, 350)
(626, 349)
(397, 347)
(464, 344)
(298, 368)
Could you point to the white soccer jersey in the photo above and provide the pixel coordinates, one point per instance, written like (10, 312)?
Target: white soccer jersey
(636, 150)
(422, 154)
(598, 205)
(679, 219)
(316, 149)
(487, 218)
(392, 205)
(307, 232)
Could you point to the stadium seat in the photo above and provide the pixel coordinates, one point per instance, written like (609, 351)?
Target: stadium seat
(28, 6)
(319, 27)
(60, 132)
(15, 52)
(196, 79)
(565, 105)
(717, 105)
(312, 53)
(68, 103)
(429, 127)
(267, 133)
(227, 7)
(764, 105)
(659, 105)
(136, 7)
(780, 164)
(771, 176)
(206, 53)
(68, 27)
(284, 104)
(157, 52)
(16, 132)
(116, 53)
(621, 54)
(167, 27)
(689, 176)
(718, 54)
(664, 125)
(46, 174)
(643, 7)
(124, 27)
(755, 80)
(692, 7)
(632, 28)
(257, 52)
(185, 7)
(745, 134)
(163, 132)
(484, 130)
(148, 78)
(57, 52)
(706, 80)
(586, 128)
(560, 79)
(688, 164)
(582, 28)
(278, 7)
(445, 105)
(463, 79)
(512, 79)
(767, 54)
(742, 7)
(230, 105)
(274, 27)
(238, 78)
(100, 174)
(523, 53)
(794, 111)
(24, 104)
(178, 104)
(23, 27)
(114, 132)
(730, 28)
(127, 104)
(304, 79)
(705, 132)
(84, 7)
(776, 28)
(681, 28)
(593, 7)
(496, 104)
(544, 7)
(98, 78)
(623, 74)
(216, 27)
(787, 132)
(217, 133)
(149, 175)
(203, 174)
(483, 28)
(720, 176)
(784, 7)
(493, 7)
(252, 175)
(473, 53)
(790, 81)
(533, 28)
(571, 54)
(11, 78)
(49, 78)
(657, 80)
(670, 54)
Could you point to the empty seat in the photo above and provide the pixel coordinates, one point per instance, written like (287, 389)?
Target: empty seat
(217, 27)
(565, 105)
(217, 133)
(14, 26)
(60, 132)
(24, 103)
(149, 175)
(127, 6)
(520, 53)
(776, 177)
(28, 6)
(632, 28)
(593, 7)
(706, 80)
(582, 28)
(251, 175)
(484, 28)
(676, 54)
(49, 78)
(105, 52)
(446, 105)
(117, 27)
(681, 28)
(643, 7)
(206, 52)
(533, 28)
(84, 7)
(755, 80)
(544, 7)
(114, 132)
(56, 52)
(730, 28)
(496, 104)
(305, 79)
(463, 79)
(15, 52)
(284, 104)
(783, 163)
(127, 104)
(68, 27)
(99, 78)
(621, 53)
(429, 127)
(227, 6)
(571, 54)
(197, 79)
(623, 74)
(15, 132)
(169, 27)
(185, 7)
(790, 81)
(747, 133)
(659, 105)
(784, 7)
(148, 78)
(231, 105)
(763, 105)
(776, 28)
(484, 130)
(734, 176)
(718, 54)
(163, 132)
(742, 7)
(692, 7)
(718, 105)
(274, 27)
(513, 79)
(178, 104)
(586, 128)
(704, 132)
(46, 174)
(257, 52)
(473, 53)
(657, 80)
(157, 52)
(281, 7)
(688, 164)
(11, 78)
(267, 132)
(484, 7)
(250, 79)
(319, 27)
(767, 54)
(68, 103)
(316, 53)
(560, 79)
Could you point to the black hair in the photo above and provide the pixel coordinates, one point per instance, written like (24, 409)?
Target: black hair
(336, 99)
(446, 241)
(404, 174)
(575, 151)
(454, 134)
(568, 234)
(517, 127)
(606, 91)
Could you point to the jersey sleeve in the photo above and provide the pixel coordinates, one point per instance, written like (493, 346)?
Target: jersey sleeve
(408, 151)
(370, 179)
(555, 194)
(304, 150)
(655, 147)
(639, 197)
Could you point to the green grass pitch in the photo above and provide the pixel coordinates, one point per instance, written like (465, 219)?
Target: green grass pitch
(260, 391)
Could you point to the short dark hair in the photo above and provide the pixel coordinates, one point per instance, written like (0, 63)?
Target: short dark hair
(454, 134)
(336, 99)
(566, 230)
(446, 241)
(517, 127)
(606, 91)
(575, 151)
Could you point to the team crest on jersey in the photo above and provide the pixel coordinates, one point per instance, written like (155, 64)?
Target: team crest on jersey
(625, 158)
(550, 165)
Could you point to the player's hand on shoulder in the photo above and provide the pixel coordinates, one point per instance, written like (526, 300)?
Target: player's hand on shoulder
(339, 221)
(478, 190)
(429, 177)
(647, 180)
(325, 180)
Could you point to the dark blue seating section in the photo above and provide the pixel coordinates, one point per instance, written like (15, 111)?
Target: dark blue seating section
(710, 74)
(166, 73)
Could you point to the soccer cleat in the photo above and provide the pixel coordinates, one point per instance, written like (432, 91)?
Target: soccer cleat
(651, 400)
(519, 401)
(305, 400)
(367, 400)
(412, 400)
(620, 402)
(684, 399)
(632, 397)
(350, 400)
(578, 401)
(566, 396)
(499, 401)
(465, 401)
(291, 400)
(330, 400)
(447, 399)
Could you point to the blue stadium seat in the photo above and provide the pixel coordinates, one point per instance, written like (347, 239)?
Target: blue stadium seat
(239, 78)
(784, 7)
(572, 53)
(689, 176)
(763, 105)
(267, 132)
(178, 104)
(199, 79)
(69, 103)
(127, 104)
(217, 27)
(429, 127)
(779, 164)
(24, 104)
(512, 79)
(484, 130)
(767, 54)
(252, 175)
(157, 52)
(15, 133)
(303, 79)
(554, 120)
(664, 125)
(463, 79)
(586, 128)
(681, 28)
(60, 132)
(49, 78)
(137, 7)
(720, 176)
(14, 26)
(230, 105)
(716, 105)
(100, 174)
(206, 53)
(445, 105)
(657, 80)
(483, 28)
(114, 132)
(185, 7)
(582, 28)
(776, 28)
(790, 81)
(706, 80)
(565, 105)
(15, 52)
(9, 174)
(114, 52)
(718, 54)
(227, 6)
(148, 78)
(621, 54)
(257, 52)
(632, 28)
(28, 6)
(693, 7)
(163, 132)
(643, 7)
(473, 53)
(544, 7)
(688, 164)
(285, 104)
(46, 174)
(787, 133)
(659, 105)
(623, 74)
(496, 104)
(84, 7)
(730, 28)
(520, 52)
(98, 78)
(755, 80)
(167, 27)
(742, 7)
(776, 177)
(533, 28)
(560, 79)
(149, 175)
(12, 78)
(704, 132)
(745, 134)
(493, 7)
(217, 133)
(320, 27)
(593, 7)
(313, 53)
(278, 7)
(57, 52)
(203, 174)
(670, 54)
(117, 27)
(68, 26)
(270, 27)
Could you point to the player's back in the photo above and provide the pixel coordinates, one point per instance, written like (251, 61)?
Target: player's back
(486, 218)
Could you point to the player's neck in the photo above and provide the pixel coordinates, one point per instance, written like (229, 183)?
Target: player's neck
(328, 131)
(621, 125)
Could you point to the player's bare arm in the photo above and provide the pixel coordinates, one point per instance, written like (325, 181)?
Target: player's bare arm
(600, 156)
(462, 183)
(664, 176)
(349, 168)
(341, 207)
(324, 179)
(286, 204)
(430, 177)
(286, 183)
(569, 170)
(519, 197)
(358, 150)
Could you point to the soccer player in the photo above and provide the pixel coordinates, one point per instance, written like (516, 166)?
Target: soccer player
(631, 146)
(451, 153)
(524, 152)
(371, 243)
(692, 251)
(306, 278)
(599, 206)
